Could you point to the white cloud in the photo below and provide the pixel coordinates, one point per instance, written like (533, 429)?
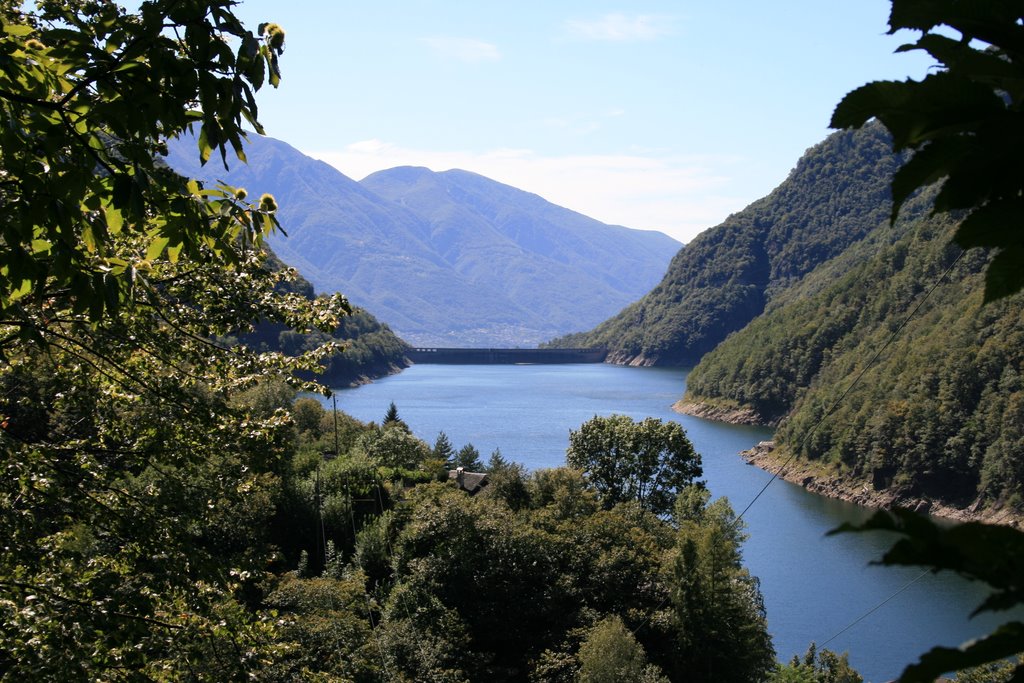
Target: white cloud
(620, 28)
(464, 49)
(680, 196)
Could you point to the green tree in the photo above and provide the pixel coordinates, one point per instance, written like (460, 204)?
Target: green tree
(141, 472)
(308, 414)
(396, 448)
(816, 666)
(993, 672)
(719, 612)
(443, 450)
(611, 654)
(468, 458)
(962, 122)
(624, 460)
(391, 417)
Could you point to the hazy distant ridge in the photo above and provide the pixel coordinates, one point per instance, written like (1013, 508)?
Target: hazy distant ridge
(448, 258)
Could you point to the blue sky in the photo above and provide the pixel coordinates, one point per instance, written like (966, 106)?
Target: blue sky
(654, 115)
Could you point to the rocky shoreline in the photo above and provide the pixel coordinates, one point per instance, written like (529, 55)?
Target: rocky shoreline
(815, 480)
(736, 416)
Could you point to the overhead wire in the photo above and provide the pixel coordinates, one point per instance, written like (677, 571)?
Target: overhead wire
(835, 405)
(877, 607)
(867, 366)
(907, 585)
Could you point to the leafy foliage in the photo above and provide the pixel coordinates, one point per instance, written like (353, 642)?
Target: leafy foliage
(89, 97)
(646, 462)
(533, 578)
(720, 614)
(963, 121)
(141, 458)
(989, 553)
(366, 348)
(611, 654)
(816, 666)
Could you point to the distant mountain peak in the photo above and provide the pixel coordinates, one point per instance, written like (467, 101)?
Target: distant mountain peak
(450, 258)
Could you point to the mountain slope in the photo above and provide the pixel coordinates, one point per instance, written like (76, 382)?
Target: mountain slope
(487, 230)
(445, 259)
(938, 417)
(786, 303)
(370, 350)
(837, 194)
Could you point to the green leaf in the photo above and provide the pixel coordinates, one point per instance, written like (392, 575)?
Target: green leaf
(88, 239)
(927, 166)
(861, 105)
(23, 289)
(1005, 274)
(988, 225)
(205, 149)
(156, 248)
(19, 30)
(115, 219)
(1005, 641)
(174, 252)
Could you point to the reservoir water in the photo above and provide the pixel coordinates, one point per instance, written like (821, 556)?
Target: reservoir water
(816, 588)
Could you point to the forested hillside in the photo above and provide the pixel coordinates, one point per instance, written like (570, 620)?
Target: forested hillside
(837, 194)
(939, 416)
(784, 303)
(369, 348)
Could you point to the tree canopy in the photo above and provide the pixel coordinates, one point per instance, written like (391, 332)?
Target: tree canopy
(646, 461)
(89, 96)
(137, 450)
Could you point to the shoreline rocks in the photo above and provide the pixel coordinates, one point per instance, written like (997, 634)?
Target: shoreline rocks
(816, 479)
(736, 416)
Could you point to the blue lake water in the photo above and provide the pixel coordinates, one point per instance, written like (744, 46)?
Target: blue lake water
(814, 586)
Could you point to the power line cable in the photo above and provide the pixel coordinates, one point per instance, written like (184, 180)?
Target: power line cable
(898, 591)
(835, 404)
(874, 609)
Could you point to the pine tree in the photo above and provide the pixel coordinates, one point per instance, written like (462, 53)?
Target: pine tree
(392, 415)
(468, 458)
(723, 633)
(443, 450)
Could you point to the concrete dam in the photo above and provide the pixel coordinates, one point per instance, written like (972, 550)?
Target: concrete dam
(452, 356)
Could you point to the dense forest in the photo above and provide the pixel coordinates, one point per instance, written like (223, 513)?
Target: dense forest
(725, 277)
(937, 416)
(368, 348)
(783, 304)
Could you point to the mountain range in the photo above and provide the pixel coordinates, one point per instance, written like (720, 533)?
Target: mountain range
(445, 259)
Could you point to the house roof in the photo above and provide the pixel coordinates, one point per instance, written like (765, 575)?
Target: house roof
(470, 482)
